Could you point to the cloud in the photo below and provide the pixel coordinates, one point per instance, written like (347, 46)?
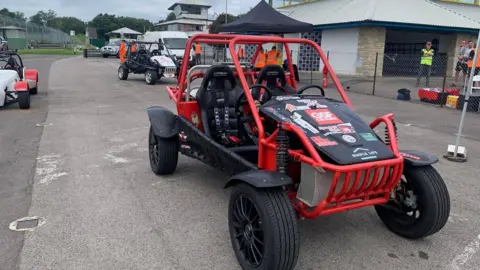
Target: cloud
(152, 10)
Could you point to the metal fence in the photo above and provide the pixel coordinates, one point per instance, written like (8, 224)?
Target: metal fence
(36, 34)
(397, 76)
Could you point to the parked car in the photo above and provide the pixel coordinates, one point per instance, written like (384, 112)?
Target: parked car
(3, 44)
(111, 49)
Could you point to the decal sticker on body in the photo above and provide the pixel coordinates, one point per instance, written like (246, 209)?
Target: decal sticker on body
(364, 154)
(279, 115)
(297, 118)
(346, 128)
(349, 138)
(409, 156)
(322, 142)
(324, 117)
(291, 108)
(369, 137)
(286, 97)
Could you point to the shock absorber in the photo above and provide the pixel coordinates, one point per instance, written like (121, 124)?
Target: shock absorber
(387, 138)
(283, 143)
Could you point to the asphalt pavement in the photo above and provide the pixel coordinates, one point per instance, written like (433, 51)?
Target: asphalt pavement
(105, 209)
(19, 141)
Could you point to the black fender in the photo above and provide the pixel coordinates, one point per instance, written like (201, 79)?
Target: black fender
(260, 179)
(164, 122)
(416, 158)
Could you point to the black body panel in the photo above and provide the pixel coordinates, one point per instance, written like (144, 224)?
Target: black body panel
(261, 179)
(194, 143)
(332, 127)
(415, 158)
(163, 121)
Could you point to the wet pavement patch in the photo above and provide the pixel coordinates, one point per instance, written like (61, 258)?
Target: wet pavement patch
(27, 223)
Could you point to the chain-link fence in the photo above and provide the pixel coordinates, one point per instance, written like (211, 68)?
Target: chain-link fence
(397, 76)
(21, 34)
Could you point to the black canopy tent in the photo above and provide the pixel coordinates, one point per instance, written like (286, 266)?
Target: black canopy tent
(265, 19)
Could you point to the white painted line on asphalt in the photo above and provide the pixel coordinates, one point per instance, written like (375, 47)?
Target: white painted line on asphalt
(44, 124)
(467, 253)
(115, 159)
(13, 225)
(48, 168)
(121, 148)
(131, 129)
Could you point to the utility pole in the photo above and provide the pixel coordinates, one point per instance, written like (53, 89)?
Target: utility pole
(270, 2)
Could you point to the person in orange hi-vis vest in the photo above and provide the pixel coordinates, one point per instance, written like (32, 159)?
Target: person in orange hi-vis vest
(134, 47)
(470, 63)
(241, 53)
(272, 56)
(198, 54)
(261, 59)
(122, 51)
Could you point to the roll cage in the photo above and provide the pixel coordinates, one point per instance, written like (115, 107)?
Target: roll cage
(6, 55)
(267, 144)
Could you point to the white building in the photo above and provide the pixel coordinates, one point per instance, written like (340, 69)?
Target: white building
(353, 32)
(191, 17)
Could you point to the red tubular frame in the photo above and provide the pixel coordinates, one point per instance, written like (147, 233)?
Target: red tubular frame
(354, 192)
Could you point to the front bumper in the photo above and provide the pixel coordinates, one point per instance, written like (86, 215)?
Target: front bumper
(109, 52)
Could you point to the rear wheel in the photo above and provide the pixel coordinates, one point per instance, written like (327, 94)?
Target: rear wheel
(421, 206)
(24, 100)
(263, 228)
(163, 153)
(34, 91)
(122, 73)
(151, 77)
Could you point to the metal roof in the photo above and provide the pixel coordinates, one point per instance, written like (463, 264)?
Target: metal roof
(199, 3)
(184, 21)
(125, 30)
(421, 12)
(471, 11)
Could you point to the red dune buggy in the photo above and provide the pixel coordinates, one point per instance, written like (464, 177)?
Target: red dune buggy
(291, 154)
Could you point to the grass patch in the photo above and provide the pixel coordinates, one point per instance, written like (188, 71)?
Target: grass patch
(39, 51)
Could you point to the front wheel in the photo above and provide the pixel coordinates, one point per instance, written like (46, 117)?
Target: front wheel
(24, 100)
(263, 228)
(122, 73)
(163, 153)
(421, 206)
(151, 77)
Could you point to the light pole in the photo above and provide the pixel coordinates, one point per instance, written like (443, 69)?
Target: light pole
(226, 12)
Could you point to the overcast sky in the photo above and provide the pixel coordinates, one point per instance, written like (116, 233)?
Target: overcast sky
(152, 10)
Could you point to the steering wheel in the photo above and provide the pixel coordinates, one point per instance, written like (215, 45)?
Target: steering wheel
(300, 91)
(247, 122)
(242, 101)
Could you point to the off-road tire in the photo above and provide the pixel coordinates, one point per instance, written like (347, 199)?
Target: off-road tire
(105, 55)
(153, 77)
(122, 73)
(166, 158)
(34, 91)
(433, 197)
(24, 100)
(280, 228)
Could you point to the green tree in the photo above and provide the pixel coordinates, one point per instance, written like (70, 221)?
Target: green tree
(15, 15)
(105, 23)
(66, 24)
(171, 17)
(221, 20)
(43, 18)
